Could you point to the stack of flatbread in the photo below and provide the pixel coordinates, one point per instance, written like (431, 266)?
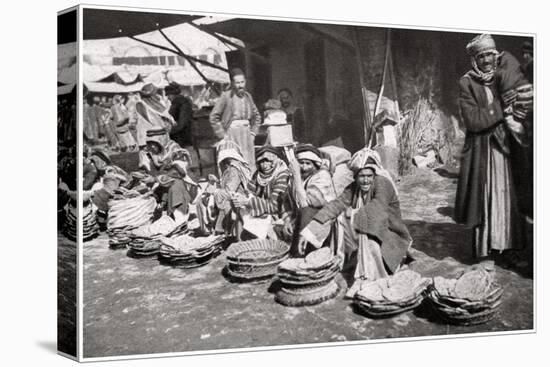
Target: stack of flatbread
(90, 229)
(310, 280)
(392, 295)
(472, 298)
(185, 251)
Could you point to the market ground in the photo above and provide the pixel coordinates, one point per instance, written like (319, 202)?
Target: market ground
(137, 306)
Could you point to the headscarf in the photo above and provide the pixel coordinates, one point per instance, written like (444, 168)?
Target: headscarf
(368, 158)
(482, 43)
(172, 88)
(271, 154)
(311, 153)
(118, 173)
(237, 161)
(152, 99)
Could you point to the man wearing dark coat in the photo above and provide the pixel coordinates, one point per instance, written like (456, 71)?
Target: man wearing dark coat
(181, 110)
(236, 118)
(485, 198)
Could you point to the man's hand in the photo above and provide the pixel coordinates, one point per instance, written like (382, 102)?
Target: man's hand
(513, 125)
(288, 227)
(239, 201)
(302, 244)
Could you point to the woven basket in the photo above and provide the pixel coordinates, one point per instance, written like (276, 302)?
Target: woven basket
(250, 270)
(320, 295)
(255, 277)
(257, 251)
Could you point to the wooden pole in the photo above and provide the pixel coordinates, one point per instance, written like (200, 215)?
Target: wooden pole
(367, 120)
(394, 87)
(382, 84)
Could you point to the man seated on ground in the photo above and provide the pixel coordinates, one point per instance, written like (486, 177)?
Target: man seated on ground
(268, 187)
(315, 191)
(235, 180)
(374, 238)
(180, 191)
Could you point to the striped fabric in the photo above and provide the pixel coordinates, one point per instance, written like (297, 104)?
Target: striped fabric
(268, 199)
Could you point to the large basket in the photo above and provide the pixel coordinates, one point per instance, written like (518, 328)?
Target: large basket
(310, 297)
(257, 251)
(255, 259)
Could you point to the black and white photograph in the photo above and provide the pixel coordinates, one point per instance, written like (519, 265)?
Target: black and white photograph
(266, 183)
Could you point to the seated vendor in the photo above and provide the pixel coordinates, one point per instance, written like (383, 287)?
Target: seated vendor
(180, 191)
(372, 229)
(235, 179)
(315, 191)
(268, 187)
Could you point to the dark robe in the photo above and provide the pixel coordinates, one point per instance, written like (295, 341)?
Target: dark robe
(181, 110)
(379, 218)
(482, 122)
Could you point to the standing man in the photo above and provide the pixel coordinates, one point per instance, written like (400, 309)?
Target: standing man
(485, 198)
(235, 116)
(294, 114)
(181, 109)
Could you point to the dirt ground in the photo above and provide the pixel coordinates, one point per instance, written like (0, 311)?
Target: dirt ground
(137, 306)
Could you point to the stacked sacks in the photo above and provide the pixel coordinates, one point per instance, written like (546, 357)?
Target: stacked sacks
(255, 260)
(473, 298)
(145, 240)
(308, 281)
(185, 251)
(128, 210)
(392, 295)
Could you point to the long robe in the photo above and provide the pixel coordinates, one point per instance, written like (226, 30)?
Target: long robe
(237, 118)
(485, 198)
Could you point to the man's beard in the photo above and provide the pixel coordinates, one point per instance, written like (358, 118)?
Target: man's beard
(240, 92)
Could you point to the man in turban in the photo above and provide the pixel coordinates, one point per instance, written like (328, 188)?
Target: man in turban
(236, 118)
(486, 199)
(314, 192)
(373, 238)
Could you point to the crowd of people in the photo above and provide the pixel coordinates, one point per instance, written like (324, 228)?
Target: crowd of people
(308, 196)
